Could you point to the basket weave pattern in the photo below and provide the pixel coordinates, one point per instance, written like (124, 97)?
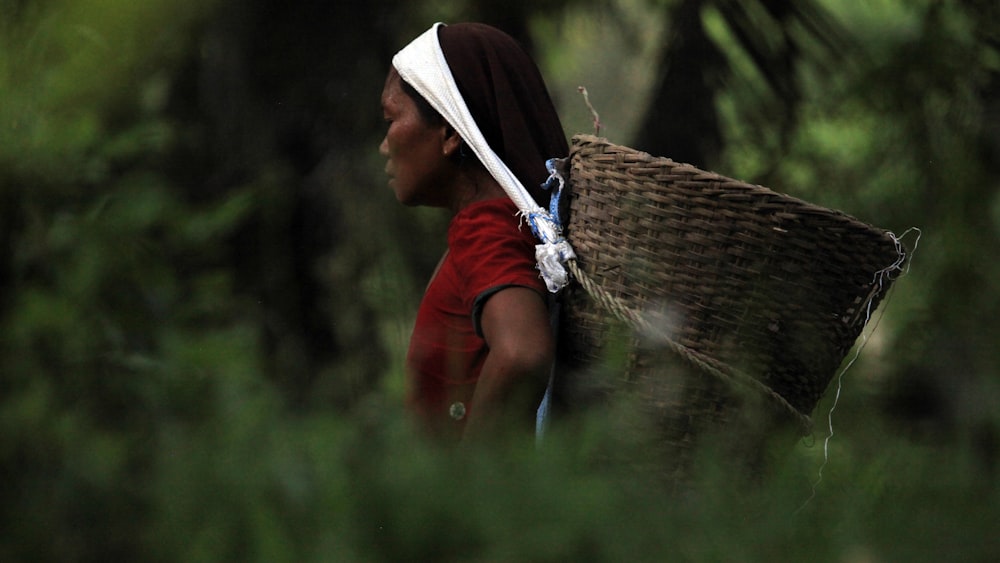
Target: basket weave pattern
(756, 283)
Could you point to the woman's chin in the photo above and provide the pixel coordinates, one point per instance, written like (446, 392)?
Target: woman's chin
(406, 199)
(400, 196)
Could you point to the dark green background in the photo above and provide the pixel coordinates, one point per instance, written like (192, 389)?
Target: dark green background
(206, 287)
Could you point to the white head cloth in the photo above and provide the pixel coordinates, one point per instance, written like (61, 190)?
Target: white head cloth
(423, 66)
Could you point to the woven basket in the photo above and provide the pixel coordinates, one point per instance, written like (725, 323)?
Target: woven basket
(709, 287)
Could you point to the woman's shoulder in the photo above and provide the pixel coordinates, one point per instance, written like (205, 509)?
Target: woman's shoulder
(491, 245)
(501, 204)
(488, 224)
(496, 215)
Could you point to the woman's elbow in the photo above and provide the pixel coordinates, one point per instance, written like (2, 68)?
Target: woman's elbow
(531, 360)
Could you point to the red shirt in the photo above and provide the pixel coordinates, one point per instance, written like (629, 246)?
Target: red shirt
(488, 249)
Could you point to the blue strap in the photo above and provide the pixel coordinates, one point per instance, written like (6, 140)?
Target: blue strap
(554, 183)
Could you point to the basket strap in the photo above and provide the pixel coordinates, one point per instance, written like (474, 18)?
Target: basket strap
(623, 313)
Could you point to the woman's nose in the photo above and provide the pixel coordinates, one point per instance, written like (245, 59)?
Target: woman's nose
(383, 148)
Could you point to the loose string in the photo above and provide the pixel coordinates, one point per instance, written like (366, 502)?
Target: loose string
(879, 280)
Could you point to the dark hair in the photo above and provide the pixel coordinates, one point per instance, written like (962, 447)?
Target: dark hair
(427, 112)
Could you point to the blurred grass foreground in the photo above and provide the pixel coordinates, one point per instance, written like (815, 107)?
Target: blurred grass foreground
(204, 291)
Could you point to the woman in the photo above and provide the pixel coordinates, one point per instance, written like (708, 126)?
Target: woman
(468, 116)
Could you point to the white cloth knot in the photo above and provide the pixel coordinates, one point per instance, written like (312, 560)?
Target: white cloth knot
(551, 256)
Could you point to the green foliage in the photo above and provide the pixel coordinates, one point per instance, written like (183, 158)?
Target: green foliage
(145, 410)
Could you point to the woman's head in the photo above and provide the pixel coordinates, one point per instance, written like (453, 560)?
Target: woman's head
(504, 92)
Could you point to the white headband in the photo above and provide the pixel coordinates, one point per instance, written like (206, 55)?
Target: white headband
(423, 66)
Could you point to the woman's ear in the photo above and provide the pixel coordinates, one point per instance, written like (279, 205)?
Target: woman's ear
(452, 141)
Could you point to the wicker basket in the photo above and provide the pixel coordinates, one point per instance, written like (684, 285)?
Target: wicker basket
(716, 286)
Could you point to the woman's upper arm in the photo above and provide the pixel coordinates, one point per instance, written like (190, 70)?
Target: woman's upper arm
(515, 323)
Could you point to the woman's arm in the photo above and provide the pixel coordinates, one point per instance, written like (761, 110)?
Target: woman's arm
(515, 324)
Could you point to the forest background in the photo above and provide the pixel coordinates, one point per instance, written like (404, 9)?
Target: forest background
(206, 288)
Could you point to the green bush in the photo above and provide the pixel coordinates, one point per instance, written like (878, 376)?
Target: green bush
(145, 412)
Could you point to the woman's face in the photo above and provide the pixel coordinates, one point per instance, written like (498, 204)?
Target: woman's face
(415, 149)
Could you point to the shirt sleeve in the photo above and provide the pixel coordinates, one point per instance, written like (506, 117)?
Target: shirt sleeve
(492, 251)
